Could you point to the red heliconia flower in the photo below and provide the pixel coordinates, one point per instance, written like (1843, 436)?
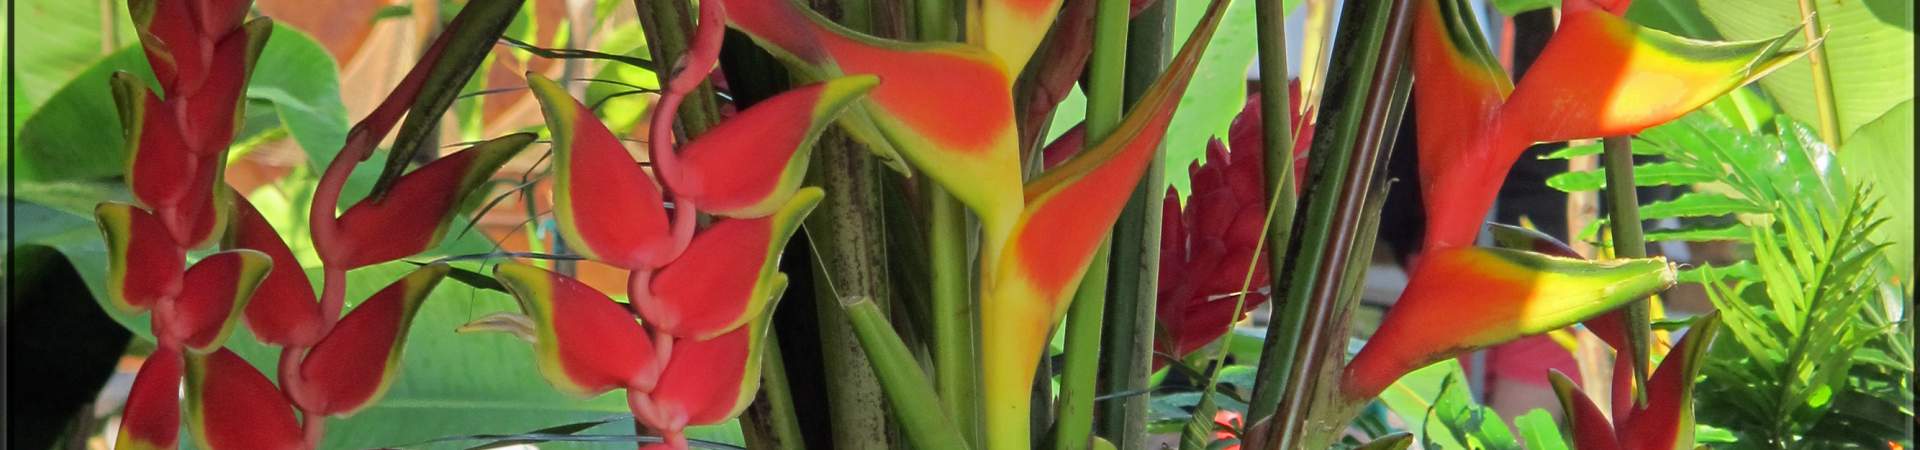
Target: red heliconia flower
(1599, 75)
(1205, 250)
(1667, 419)
(230, 405)
(355, 362)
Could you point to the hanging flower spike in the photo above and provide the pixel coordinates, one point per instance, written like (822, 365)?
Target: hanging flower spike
(283, 311)
(1486, 297)
(708, 381)
(1667, 420)
(143, 263)
(606, 205)
(177, 146)
(230, 405)
(151, 420)
(214, 292)
(725, 278)
(414, 214)
(750, 165)
(1011, 29)
(356, 362)
(586, 344)
(929, 104)
(180, 38)
(1028, 286)
(1473, 130)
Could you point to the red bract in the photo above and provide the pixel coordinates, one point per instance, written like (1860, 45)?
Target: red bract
(584, 342)
(1666, 422)
(1598, 76)
(202, 56)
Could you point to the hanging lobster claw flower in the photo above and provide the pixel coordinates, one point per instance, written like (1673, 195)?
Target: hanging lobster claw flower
(929, 104)
(585, 343)
(214, 292)
(1667, 420)
(708, 381)
(230, 405)
(181, 37)
(283, 311)
(607, 206)
(725, 278)
(176, 147)
(1033, 279)
(151, 420)
(414, 213)
(356, 362)
(1598, 76)
(143, 263)
(750, 164)
(1465, 298)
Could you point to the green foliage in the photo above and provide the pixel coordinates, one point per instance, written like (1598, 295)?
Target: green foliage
(1437, 405)
(74, 134)
(1869, 50)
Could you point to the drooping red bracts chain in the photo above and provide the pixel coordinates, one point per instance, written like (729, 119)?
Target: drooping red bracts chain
(230, 405)
(151, 419)
(213, 293)
(283, 311)
(357, 360)
(606, 205)
(705, 382)
(584, 342)
(416, 210)
(750, 165)
(726, 277)
(144, 265)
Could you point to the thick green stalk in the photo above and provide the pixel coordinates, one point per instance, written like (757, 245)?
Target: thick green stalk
(1106, 72)
(668, 24)
(1623, 212)
(1073, 429)
(780, 428)
(851, 256)
(905, 385)
(1277, 145)
(956, 356)
(1359, 106)
(1822, 78)
(1127, 339)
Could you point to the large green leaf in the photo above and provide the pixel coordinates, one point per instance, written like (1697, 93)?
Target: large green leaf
(62, 38)
(75, 134)
(1869, 49)
(1880, 156)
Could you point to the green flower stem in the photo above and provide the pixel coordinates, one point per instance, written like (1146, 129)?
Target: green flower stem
(956, 357)
(1127, 337)
(1277, 145)
(781, 428)
(1073, 426)
(1629, 241)
(1360, 100)
(851, 261)
(668, 24)
(900, 373)
(1822, 77)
